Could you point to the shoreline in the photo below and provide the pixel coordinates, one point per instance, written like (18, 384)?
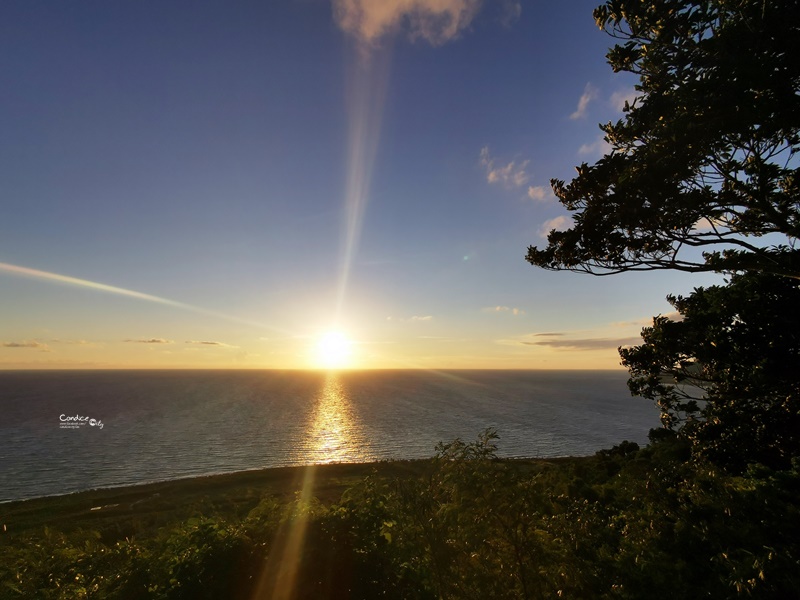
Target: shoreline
(237, 492)
(122, 486)
(174, 497)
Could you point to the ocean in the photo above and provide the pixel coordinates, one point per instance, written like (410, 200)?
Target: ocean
(68, 431)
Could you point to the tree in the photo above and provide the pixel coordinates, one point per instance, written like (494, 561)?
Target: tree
(727, 375)
(704, 164)
(703, 175)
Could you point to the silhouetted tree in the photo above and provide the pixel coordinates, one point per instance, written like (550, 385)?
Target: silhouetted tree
(703, 176)
(705, 158)
(727, 376)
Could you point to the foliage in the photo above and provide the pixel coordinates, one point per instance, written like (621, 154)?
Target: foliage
(627, 523)
(461, 529)
(705, 158)
(726, 375)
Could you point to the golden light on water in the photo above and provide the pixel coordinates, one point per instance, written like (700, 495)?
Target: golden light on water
(335, 433)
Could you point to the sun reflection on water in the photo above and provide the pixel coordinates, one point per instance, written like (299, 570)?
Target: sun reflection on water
(335, 432)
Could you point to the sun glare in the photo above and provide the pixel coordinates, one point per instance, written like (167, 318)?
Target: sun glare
(334, 350)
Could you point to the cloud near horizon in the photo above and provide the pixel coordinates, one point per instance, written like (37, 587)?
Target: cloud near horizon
(435, 21)
(583, 344)
(149, 341)
(425, 318)
(209, 343)
(412, 319)
(517, 312)
(32, 344)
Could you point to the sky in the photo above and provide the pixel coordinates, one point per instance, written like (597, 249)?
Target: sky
(303, 184)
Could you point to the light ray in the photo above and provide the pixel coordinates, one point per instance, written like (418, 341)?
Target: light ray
(111, 289)
(367, 76)
(335, 435)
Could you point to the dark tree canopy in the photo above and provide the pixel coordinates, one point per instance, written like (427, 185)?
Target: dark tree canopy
(705, 161)
(727, 376)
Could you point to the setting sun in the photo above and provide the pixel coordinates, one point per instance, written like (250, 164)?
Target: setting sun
(334, 350)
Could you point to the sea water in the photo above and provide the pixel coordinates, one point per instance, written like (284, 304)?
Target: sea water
(67, 431)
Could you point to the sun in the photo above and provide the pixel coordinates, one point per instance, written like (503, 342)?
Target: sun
(334, 350)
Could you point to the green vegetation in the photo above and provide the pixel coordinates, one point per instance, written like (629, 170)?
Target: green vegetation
(625, 523)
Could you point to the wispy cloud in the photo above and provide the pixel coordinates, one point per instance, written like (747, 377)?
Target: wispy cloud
(589, 93)
(559, 223)
(561, 343)
(26, 344)
(511, 11)
(517, 312)
(598, 147)
(412, 319)
(435, 21)
(540, 193)
(510, 175)
(587, 343)
(620, 97)
(149, 341)
(206, 343)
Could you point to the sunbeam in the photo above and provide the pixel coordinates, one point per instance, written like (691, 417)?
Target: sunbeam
(110, 289)
(367, 74)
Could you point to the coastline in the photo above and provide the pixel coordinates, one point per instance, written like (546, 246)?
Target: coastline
(150, 504)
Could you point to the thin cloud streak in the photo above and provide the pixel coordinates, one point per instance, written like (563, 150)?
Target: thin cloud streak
(33, 344)
(585, 344)
(102, 287)
(412, 319)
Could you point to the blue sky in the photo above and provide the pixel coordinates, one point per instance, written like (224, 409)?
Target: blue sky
(278, 170)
